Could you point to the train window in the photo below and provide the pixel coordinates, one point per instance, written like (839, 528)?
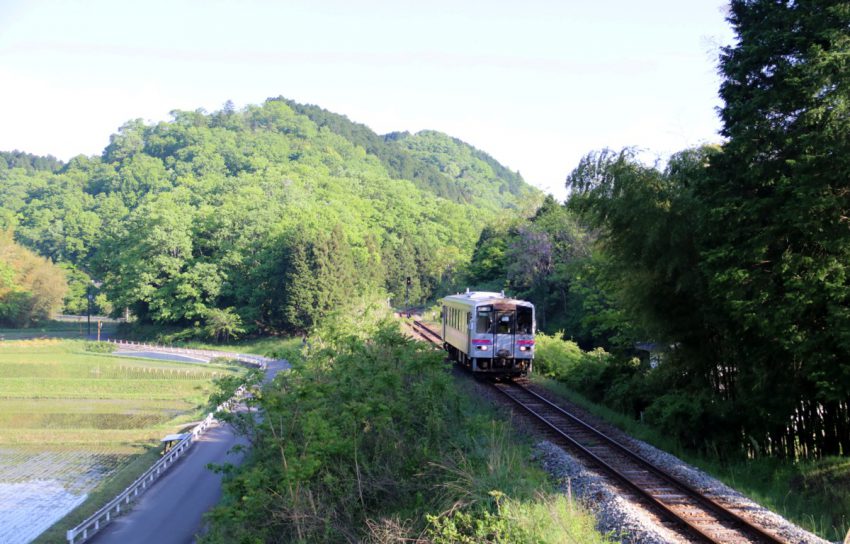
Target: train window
(483, 321)
(524, 320)
(505, 324)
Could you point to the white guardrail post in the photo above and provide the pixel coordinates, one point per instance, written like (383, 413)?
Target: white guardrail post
(105, 514)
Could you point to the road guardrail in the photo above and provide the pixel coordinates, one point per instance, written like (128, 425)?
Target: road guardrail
(94, 523)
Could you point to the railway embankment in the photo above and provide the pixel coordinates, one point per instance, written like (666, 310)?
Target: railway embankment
(628, 517)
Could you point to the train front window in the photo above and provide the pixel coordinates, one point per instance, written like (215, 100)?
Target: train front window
(505, 324)
(483, 322)
(524, 320)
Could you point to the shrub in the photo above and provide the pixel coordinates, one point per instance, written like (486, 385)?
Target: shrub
(367, 439)
(99, 347)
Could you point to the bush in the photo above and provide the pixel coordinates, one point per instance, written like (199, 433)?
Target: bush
(586, 372)
(99, 347)
(368, 439)
(555, 357)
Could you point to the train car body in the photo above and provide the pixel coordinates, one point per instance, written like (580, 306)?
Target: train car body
(489, 333)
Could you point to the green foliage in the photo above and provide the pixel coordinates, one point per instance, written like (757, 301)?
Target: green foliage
(363, 440)
(222, 325)
(554, 357)
(474, 527)
(476, 176)
(31, 287)
(28, 162)
(546, 518)
(435, 162)
(738, 256)
(777, 251)
(548, 259)
(280, 212)
(598, 376)
(99, 347)
(225, 386)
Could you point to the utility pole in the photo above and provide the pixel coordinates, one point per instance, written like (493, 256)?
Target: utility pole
(89, 296)
(407, 296)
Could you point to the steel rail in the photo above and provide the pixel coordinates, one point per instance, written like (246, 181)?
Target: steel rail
(707, 502)
(427, 333)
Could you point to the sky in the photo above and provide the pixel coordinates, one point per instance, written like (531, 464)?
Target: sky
(537, 84)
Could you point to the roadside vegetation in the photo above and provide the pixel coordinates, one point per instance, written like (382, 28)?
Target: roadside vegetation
(369, 439)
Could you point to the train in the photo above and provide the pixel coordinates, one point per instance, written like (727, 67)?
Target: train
(489, 333)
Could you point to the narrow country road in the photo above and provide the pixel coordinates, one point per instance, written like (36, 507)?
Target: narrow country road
(171, 511)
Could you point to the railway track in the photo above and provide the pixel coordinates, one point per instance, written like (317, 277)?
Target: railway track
(702, 518)
(426, 333)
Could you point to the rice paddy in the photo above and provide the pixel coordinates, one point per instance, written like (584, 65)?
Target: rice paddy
(71, 420)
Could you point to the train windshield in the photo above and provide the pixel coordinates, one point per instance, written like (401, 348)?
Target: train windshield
(505, 324)
(524, 320)
(483, 320)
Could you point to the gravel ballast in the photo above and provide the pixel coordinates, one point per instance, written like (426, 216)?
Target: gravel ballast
(632, 524)
(616, 513)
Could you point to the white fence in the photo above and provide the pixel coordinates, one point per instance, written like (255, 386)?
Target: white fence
(254, 360)
(113, 508)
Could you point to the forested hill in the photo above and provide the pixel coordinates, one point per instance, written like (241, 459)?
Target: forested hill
(435, 162)
(260, 218)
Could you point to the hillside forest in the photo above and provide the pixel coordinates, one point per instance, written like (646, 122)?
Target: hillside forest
(262, 219)
(729, 262)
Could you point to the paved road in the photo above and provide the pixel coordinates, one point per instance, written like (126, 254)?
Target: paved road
(163, 356)
(171, 511)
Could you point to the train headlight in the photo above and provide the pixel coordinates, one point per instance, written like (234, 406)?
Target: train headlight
(482, 348)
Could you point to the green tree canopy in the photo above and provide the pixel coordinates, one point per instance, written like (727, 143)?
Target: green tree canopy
(31, 287)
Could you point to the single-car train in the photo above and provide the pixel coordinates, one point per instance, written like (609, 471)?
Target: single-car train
(489, 333)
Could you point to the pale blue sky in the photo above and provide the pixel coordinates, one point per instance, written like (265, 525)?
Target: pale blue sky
(535, 83)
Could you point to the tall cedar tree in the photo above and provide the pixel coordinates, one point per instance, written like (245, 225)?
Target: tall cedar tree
(777, 246)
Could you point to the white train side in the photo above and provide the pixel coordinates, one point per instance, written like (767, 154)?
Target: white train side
(489, 333)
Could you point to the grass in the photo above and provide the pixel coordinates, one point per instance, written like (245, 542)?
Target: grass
(533, 508)
(815, 495)
(91, 421)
